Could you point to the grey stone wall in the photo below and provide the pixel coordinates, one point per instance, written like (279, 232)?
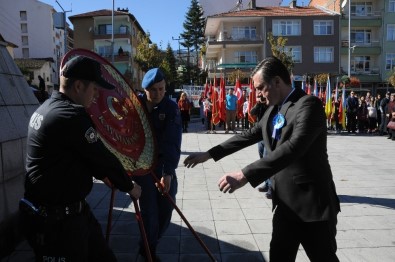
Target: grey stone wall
(17, 104)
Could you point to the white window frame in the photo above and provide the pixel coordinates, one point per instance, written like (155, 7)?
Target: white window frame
(389, 61)
(244, 32)
(360, 64)
(361, 8)
(361, 36)
(290, 27)
(25, 40)
(23, 15)
(245, 57)
(391, 32)
(324, 54)
(321, 27)
(391, 6)
(296, 53)
(24, 29)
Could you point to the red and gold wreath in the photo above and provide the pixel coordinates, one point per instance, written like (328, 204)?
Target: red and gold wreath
(120, 118)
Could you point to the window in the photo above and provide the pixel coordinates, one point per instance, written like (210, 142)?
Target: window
(25, 52)
(322, 27)
(245, 57)
(23, 15)
(360, 64)
(391, 32)
(105, 51)
(105, 29)
(23, 28)
(390, 61)
(361, 36)
(295, 52)
(391, 6)
(25, 40)
(361, 8)
(323, 54)
(286, 27)
(245, 32)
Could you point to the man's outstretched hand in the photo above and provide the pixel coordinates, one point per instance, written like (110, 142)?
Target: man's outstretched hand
(196, 158)
(232, 181)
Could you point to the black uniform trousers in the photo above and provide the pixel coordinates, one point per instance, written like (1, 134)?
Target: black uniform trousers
(289, 231)
(75, 237)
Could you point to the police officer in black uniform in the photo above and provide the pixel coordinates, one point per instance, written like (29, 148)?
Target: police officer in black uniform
(63, 154)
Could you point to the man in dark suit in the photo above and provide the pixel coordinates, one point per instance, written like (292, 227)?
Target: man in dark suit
(293, 129)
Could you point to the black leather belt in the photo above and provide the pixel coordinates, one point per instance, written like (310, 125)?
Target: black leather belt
(59, 211)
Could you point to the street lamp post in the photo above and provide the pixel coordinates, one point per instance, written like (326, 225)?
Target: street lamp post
(112, 33)
(65, 27)
(349, 38)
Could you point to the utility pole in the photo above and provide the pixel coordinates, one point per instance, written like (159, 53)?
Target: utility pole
(65, 26)
(112, 33)
(179, 50)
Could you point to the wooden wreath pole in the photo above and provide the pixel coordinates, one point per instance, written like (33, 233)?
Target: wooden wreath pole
(139, 219)
(182, 216)
(109, 219)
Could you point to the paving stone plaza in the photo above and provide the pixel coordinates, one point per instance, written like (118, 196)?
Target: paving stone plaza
(237, 227)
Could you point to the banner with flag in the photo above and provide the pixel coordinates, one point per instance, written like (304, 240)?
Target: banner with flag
(215, 119)
(221, 99)
(343, 104)
(315, 93)
(308, 87)
(292, 80)
(328, 100)
(240, 99)
(206, 89)
(251, 103)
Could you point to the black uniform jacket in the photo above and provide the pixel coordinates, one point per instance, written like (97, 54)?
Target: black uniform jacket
(298, 161)
(64, 153)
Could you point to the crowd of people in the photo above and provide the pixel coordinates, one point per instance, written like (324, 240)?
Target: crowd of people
(365, 114)
(59, 224)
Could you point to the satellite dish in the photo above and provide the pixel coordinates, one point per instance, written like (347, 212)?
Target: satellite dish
(344, 3)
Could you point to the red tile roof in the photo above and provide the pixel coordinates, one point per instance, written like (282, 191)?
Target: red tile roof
(276, 11)
(103, 12)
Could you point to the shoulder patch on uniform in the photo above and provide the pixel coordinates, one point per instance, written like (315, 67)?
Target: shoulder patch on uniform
(91, 135)
(162, 116)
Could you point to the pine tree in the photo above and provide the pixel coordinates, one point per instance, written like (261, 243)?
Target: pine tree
(170, 69)
(193, 35)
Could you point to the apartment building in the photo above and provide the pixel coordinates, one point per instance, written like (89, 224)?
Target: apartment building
(238, 40)
(370, 54)
(30, 25)
(117, 42)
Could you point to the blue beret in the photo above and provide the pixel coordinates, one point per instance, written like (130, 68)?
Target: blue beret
(153, 76)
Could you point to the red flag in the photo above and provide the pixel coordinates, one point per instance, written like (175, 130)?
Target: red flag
(206, 89)
(308, 86)
(240, 99)
(221, 99)
(214, 100)
(251, 103)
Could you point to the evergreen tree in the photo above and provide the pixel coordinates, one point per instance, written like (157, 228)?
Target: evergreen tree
(170, 69)
(193, 36)
(148, 55)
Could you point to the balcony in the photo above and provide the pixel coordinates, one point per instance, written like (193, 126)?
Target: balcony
(122, 32)
(236, 66)
(372, 19)
(361, 48)
(231, 39)
(125, 57)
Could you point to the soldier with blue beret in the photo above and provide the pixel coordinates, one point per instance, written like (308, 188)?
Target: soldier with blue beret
(165, 117)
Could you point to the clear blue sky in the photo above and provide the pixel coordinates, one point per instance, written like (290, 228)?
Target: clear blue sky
(163, 19)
